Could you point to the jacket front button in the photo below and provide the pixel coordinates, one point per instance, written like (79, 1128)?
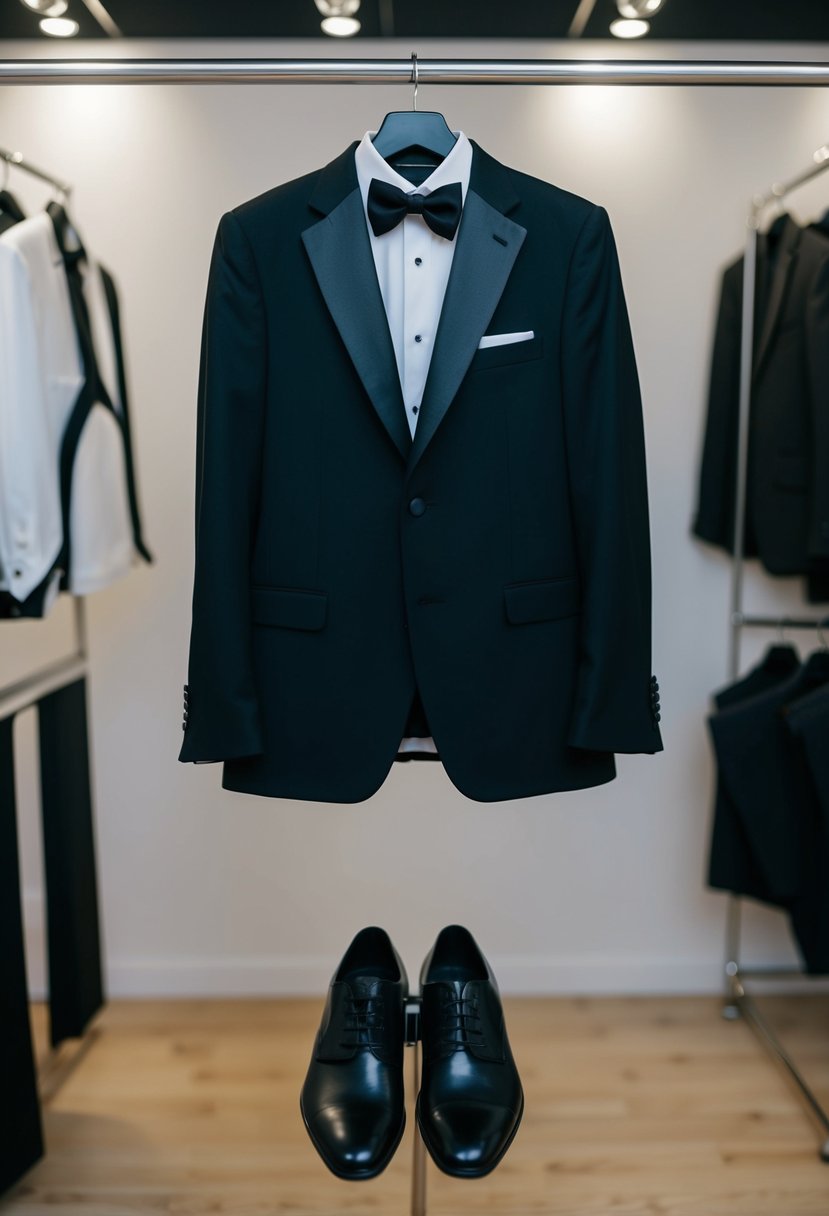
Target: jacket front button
(417, 506)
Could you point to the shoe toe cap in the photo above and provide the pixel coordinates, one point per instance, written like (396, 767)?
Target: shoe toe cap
(468, 1137)
(356, 1140)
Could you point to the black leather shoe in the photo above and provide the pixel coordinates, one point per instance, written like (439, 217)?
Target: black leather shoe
(471, 1101)
(352, 1098)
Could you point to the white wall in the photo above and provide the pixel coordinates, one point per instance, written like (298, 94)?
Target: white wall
(204, 891)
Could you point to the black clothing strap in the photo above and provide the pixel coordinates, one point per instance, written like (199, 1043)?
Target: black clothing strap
(94, 390)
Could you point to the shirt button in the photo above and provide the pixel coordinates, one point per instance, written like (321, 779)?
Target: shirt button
(418, 338)
(418, 261)
(415, 408)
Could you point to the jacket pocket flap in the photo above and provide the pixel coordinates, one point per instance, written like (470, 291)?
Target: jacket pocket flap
(289, 607)
(545, 600)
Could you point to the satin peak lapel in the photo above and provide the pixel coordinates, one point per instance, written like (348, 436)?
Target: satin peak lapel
(341, 257)
(488, 244)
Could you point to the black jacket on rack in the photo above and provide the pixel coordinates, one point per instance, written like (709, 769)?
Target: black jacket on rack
(736, 860)
(787, 498)
(771, 824)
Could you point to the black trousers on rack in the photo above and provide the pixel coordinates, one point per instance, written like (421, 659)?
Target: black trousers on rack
(21, 1134)
(74, 954)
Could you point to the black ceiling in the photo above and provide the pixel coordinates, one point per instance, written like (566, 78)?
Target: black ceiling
(703, 20)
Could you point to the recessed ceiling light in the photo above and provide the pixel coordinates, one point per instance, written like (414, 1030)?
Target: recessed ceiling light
(340, 27)
(59, 27)
(627, 28)
(49, 8)
(634, 9)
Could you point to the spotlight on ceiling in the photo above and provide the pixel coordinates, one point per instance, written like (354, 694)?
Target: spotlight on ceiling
(338, 18)
(638, 9)
(59, 27)
(47, 8)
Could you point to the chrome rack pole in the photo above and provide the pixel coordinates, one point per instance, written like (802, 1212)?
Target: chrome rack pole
(412, 1039)
(738, 1001)
(27, 691)
(573, 71)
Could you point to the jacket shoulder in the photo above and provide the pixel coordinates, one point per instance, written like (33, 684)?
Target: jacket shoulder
(282, 199)
(562, 209)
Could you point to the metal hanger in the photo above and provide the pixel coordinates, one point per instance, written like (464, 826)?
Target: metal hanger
(423, 131)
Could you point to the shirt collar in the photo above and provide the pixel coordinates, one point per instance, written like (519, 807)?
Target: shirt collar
(455, 167)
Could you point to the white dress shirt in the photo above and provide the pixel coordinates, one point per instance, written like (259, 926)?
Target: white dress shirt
(41, 378)
(413, 265)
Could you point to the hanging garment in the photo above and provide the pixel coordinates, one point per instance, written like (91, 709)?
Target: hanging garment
(807, 721)
(97, 472)
(787, 496)
(762, 768)
(68, 504)
(10, 211)
(21, 1130)
(42, 376)
(497, 561)
(733, 862)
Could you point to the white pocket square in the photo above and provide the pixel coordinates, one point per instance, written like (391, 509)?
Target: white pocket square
(503, 339)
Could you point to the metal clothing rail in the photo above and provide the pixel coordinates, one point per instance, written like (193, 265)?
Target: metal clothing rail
(430, 71)
(738, 999)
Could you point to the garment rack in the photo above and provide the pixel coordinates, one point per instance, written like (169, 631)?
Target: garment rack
(738, 1000)
(698, 73)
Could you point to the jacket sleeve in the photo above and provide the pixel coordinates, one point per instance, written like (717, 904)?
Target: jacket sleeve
(616, 706)
(221, 715)
(714, 516)
(817, 345)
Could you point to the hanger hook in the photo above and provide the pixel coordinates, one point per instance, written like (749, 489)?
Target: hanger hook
(414, 79)
(781, 630)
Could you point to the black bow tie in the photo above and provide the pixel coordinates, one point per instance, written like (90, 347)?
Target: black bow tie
(387, 205)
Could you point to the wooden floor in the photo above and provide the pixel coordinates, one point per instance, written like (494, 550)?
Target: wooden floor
(634, 1107)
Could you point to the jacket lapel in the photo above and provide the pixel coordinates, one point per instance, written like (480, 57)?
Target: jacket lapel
(487, 246)
(340, 252)
(777, 290)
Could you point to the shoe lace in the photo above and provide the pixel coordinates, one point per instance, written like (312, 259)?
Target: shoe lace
(460, 1023)
(363, 1022)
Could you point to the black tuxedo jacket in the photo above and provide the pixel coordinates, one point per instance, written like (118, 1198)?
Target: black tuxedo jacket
(739, 858)
(787, 497)
(499, 563)
(776, 779)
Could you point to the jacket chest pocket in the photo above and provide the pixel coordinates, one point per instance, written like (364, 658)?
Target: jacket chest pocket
(507, 353)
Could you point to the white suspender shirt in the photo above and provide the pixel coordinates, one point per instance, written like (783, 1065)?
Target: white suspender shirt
(40, 378)
(413, 265)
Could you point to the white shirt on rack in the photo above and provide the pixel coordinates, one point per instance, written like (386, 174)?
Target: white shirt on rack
(413, 265)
